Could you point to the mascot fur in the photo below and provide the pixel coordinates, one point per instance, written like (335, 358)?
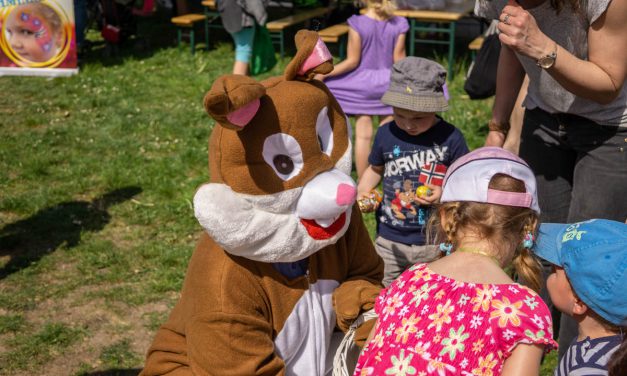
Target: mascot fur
(280, 199)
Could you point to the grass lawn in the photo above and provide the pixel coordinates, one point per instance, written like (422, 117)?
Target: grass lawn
(97, 174)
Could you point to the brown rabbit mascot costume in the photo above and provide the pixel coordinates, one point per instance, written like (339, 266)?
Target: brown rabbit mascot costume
(285, 256)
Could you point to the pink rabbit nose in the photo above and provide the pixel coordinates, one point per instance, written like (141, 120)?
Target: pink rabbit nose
(345, 194)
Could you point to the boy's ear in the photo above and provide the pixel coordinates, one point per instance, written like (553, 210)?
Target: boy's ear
(579, 307)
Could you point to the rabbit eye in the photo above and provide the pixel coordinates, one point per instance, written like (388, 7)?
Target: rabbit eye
(283, 153)
(283, 164)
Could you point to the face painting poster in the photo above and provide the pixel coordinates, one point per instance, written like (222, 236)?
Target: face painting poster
(37, 38)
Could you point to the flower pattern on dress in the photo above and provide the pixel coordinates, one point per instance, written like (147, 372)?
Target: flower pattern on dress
(486, 366)
(422, 294)
(442, 316)
(470, 330)
(507, 312)
(407, 327)
(482, 298)
(401, 365)
(454, 342)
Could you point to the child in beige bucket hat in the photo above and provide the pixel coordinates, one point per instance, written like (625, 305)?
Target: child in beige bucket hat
(409, 156)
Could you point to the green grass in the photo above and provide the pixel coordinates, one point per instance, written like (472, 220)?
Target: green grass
(97, 173)
(120, 354)
(36, 349)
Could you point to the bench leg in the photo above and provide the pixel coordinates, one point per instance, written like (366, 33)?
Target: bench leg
(282, 47)
(207, 28)
(179, 36)
(451, 50)
(412, 37)
(192, 41)
(343, 47)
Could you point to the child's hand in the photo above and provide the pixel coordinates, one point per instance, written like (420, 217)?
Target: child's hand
(319, 77)
(433, 198)
(368, 201)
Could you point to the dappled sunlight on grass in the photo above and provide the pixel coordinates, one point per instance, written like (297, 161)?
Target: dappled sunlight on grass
(97, 174)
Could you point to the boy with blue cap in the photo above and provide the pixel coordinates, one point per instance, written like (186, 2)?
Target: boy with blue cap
(588, 283)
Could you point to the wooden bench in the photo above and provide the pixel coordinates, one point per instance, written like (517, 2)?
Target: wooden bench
(187, 22)
(277, 27)
(212, 14)
(334, 34)
(475, 45)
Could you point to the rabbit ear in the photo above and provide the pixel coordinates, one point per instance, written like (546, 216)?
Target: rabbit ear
(234, 100)
(312, 57)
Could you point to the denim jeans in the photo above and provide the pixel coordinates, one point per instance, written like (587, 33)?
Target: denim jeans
(581, 170)
(398, 256)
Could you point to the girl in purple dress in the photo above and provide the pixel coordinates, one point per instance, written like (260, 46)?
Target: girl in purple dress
(376, 40)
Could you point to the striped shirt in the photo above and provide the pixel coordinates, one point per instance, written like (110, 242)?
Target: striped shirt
(588, 357)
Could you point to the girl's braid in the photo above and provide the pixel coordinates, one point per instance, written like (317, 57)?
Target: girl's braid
(453, 210)
(526, 264)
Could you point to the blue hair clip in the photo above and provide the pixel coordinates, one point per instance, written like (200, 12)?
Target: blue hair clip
(528, 240)
(446, 248)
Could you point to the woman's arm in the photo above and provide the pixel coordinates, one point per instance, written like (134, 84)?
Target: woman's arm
(509, 77)
(524, 361)
(353, 56)
(399, 48)
(601, 77)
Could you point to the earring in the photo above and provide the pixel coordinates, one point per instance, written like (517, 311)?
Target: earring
(446, 248)
(528, 240)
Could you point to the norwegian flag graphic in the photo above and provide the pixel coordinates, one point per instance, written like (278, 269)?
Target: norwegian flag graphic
(432, 174)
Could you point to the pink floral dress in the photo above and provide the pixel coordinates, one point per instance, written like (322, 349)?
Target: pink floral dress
(432, 325)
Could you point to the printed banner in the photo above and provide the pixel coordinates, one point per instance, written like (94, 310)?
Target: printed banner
(37, 38)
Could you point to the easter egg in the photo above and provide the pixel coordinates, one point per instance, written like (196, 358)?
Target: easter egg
(375, 195)
(423, 191)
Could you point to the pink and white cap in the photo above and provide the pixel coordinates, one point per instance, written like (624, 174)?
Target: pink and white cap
(467, 179)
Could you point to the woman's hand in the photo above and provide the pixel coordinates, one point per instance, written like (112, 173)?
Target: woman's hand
(495, 138)
(520, 32)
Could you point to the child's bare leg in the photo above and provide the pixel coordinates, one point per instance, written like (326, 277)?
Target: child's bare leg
(363, 138)
(240, 68)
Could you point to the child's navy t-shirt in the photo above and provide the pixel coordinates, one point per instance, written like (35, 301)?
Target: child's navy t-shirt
(409, 162)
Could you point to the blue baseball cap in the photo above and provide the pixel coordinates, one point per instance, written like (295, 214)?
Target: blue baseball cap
(594, 256)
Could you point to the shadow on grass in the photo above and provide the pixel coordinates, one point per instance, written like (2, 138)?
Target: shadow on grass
(28, 240)
(114, 372)
(148, 35)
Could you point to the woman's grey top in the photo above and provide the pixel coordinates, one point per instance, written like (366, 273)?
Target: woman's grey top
(570, 30)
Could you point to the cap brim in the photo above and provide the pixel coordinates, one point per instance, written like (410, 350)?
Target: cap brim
(418, 103)
(548, 244)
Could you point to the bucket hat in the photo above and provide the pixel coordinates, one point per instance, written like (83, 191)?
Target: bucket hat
(417, 84)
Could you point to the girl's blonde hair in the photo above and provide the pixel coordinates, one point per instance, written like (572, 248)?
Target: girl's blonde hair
(383, 8)
(503, 226)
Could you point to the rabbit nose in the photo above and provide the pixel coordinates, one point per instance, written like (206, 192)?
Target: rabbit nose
(345, 194)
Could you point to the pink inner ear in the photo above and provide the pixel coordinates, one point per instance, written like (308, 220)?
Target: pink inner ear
(244, 115)
(319, 55)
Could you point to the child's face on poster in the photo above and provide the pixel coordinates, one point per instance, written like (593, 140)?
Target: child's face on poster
(30, 35)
